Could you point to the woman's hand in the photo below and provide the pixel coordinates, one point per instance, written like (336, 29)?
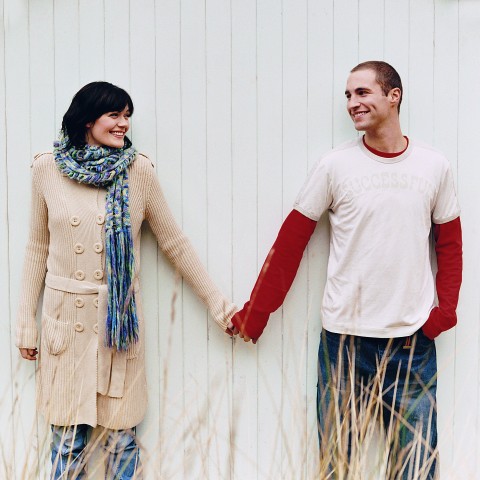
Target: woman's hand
(28, 353)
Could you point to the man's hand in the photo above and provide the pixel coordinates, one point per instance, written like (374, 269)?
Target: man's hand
(233, 330)
(28, 353)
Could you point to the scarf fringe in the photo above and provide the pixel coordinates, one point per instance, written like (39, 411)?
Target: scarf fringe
(122, 322)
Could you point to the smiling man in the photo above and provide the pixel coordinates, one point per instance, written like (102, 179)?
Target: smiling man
(384, 194)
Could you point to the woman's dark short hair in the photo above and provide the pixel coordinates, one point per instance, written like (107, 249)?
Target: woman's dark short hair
(387, 77)
(90, 103)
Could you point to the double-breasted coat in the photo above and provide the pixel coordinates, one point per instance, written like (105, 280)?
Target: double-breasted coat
(80, 381)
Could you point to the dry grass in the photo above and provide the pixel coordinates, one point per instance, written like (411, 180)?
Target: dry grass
(357, 445)
(353, 447)
(356, 422)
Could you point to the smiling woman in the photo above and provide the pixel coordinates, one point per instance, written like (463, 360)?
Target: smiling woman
(89, 199)
(97, 111)
(110, 129)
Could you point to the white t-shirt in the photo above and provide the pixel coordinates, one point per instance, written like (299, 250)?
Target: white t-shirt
(379, 280)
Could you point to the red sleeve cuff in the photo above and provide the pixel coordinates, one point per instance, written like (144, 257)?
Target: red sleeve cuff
(250, 322)
(438, 322)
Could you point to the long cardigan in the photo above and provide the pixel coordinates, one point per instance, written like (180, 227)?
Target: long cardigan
(79, 380)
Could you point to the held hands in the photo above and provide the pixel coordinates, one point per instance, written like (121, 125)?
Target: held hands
(232, 330)
(28, 353)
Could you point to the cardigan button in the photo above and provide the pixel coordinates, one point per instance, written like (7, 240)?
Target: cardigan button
(95, 302)
(75, 220)
(79, 302)
(79, 248)
(80, 275)
(100, 219)
(95, 328)
(78, 326)
(98, 274)
(98, 247)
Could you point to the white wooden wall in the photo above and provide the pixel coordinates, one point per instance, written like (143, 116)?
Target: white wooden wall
(234, 99)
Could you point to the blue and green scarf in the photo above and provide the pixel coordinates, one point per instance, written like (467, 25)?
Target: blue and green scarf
(107, 167)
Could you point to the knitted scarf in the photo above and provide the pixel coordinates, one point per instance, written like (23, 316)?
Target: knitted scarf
(107, 167)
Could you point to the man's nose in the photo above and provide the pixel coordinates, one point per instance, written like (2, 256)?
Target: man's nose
(352, 102)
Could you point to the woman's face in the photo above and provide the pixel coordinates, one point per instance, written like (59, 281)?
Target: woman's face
(109, 130)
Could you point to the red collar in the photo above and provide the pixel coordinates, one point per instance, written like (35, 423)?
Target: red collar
(384, 154)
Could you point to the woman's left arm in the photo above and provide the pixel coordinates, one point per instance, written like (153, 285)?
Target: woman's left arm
(182, 255)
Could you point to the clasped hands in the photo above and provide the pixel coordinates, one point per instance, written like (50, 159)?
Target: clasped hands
(232, 330)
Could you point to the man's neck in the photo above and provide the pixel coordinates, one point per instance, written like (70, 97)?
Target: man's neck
(389, 140)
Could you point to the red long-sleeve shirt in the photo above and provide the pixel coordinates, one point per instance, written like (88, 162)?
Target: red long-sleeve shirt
(282, 262)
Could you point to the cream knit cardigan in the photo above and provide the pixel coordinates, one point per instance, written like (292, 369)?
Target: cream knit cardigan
(79, 380)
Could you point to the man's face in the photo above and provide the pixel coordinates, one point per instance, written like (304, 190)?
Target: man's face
(367, 105)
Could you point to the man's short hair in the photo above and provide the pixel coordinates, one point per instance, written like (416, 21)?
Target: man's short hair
(387, 77)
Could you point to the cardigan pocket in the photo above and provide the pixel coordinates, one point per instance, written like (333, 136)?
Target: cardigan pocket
(57, 335)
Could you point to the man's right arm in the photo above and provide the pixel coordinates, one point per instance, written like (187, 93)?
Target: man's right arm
(276, 276)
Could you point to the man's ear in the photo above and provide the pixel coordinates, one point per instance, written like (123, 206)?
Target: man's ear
(395, 96)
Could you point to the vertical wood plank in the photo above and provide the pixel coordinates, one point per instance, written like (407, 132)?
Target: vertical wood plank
(8, 351)
(143, 74)
(117, 42)
(371, 30)
(66, 55)
(270, 217)
(397, 49)
(466, 419)
(42, 77)
(219, 221)
(420, 85)
(169, 148)
(91, 33)
(169, 169)
(320, 140)
(194, 215)
(295, 168)
(446, 100)
(43, 130)
(345, 57)
(18, 157)
(245, 230)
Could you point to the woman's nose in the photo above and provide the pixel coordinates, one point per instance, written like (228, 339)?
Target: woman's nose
(123, 121)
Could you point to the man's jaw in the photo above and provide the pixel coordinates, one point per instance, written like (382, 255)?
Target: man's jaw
(358, 118)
